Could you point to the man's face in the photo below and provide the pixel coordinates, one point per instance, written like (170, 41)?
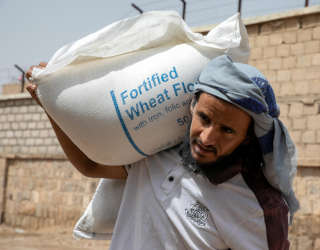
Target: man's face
(217, 129)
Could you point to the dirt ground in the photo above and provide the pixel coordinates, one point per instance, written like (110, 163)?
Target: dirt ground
(49, 239)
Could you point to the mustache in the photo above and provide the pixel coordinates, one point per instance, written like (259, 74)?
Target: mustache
(198, 141)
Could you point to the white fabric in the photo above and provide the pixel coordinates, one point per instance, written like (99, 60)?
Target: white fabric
(98, 220)
(186, 213)
(116, 92)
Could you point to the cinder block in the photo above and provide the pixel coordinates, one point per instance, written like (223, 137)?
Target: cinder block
(317, 244)
(312, 150)
(304, 35)
(27, 117)
(35, 133)
(287, 89)
(301, 87)
(311, 109)
(261, 64)
(3, 118)
(32, 108)
(11, 117)
(314, 87)
(297, 49)
(15, 125)
(318, 136)
(269, 52)
(38, 141)
(283, 76)
(284, 109)
(44, 133)
(266, 28)
(283, 50)
(316, 33)
(262, 41)
(276, 39)
(18, 117)
(252, 41)
(23, 125)
(313, 122)
(12, 141)
(252, 30)
(23, 109)
(7, 110)
(36, 117)
(312, 73)
(299, 123)
(310, 21)
(316, 59)
(48, 141)
(304, 61)
(296, 136)
(309, 136)
(298, 74)
(30, 141)
(256, 53)
(9, 134)
(292, 24)
(32, 125)
(290, 37)
(312, 47)
(275, 63)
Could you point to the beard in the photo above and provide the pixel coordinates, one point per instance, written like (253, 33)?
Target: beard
(244, 155)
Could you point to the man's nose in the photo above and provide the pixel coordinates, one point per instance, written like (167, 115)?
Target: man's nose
(210, 136)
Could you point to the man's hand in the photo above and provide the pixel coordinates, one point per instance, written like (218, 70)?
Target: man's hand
(32, 88)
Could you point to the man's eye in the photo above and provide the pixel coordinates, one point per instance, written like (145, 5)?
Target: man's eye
(228, 130)
(204, 118)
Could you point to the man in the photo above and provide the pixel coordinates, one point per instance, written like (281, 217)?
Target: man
(228, 186)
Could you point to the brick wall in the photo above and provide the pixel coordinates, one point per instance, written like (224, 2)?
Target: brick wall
(25, 128)
(43, 192)
(43, 189)
(287, 51)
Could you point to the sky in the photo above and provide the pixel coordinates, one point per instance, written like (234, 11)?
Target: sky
(31, 31)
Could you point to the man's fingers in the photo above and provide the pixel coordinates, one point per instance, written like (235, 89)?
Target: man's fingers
(29, 72)
(43, 64)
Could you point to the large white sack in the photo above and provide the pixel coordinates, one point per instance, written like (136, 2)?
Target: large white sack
(122, 93)
(98, 220)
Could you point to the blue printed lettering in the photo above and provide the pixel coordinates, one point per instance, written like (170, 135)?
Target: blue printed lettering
(173, 73)
(123, 96)
(132, 111)
(164, 77)
(134, 96)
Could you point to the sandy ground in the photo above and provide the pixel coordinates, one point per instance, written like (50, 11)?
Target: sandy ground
(46, 239)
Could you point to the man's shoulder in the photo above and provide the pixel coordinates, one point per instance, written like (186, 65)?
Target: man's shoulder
(268, 197)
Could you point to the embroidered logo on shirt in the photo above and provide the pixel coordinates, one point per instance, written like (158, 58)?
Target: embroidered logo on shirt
(198, 214)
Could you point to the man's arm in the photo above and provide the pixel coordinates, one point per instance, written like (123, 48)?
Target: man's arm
(78, 159)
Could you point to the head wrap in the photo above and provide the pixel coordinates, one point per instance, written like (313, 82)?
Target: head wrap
(245, 87)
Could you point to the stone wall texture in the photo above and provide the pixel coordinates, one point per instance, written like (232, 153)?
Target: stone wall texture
(39, 187)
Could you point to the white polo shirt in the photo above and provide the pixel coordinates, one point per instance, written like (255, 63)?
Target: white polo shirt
(165, 206)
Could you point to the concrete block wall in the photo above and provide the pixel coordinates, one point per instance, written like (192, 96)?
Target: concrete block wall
(288, 52)
(45, 192)
(25, 128)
